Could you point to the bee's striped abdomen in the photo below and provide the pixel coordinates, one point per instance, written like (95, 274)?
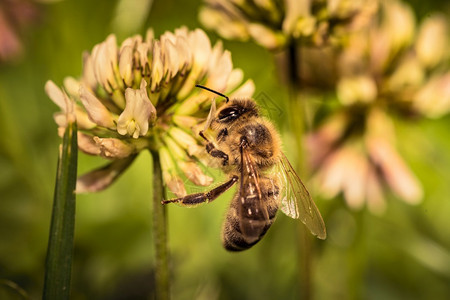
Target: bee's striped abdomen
(241, 232)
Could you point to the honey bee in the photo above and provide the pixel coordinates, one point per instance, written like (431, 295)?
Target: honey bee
(249, 150)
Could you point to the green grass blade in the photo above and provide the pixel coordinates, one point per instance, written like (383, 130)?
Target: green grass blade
(58, 264)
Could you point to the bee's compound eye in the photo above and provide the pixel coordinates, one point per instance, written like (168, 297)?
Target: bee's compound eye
(229, 114)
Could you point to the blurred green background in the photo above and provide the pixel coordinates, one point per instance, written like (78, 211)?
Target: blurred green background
(404, 254)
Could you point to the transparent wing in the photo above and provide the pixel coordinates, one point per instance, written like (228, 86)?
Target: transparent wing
(296, 202)
(252, 212)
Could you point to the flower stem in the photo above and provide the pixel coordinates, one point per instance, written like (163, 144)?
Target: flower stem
(297, 122)
(162, 282)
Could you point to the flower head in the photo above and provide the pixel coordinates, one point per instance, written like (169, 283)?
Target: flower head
(15, 16)
(141, 95)
(273, 24)
(358, 158)
(394, 68)
(393, 63)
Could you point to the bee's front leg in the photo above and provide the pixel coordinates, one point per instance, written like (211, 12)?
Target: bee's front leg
(198, 198)
(213, 151)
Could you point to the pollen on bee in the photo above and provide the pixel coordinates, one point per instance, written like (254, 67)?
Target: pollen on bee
(249, 211)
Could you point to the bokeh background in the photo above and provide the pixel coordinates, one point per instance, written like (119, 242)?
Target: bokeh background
(402, 254)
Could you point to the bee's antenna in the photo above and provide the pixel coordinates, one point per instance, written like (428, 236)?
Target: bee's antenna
(212, 91)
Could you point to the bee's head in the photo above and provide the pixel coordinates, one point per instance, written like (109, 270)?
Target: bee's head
(237, 109)
(234, 109)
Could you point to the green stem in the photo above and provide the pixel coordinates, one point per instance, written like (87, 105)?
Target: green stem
(296, 105)
(162, 282)
(58, 263)
(297, 122)
(357, 259)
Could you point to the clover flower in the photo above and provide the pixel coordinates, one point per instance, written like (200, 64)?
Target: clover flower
(358, 158)
(275, 23)
(394, 68)
(141, 95)
(15, 16)
(393, 63)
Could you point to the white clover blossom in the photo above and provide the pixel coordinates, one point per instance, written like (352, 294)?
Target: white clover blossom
(394, 63)
(141, 95)
(361, 163)
(138, 113)
(390, 69)
(275, 23)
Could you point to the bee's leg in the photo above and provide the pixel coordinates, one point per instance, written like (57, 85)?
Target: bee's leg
(222, 134)
(213, 151)
(199, 198)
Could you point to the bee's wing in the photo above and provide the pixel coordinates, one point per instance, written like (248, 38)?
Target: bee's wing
(252, 212)
(296, 202)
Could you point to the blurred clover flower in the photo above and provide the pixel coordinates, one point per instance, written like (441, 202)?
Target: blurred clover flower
(353, 152)
(392, 68)
(15, 16)
(141, 95)
(276, 23)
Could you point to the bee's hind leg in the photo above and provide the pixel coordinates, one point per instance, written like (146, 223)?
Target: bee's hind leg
(198, 198)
